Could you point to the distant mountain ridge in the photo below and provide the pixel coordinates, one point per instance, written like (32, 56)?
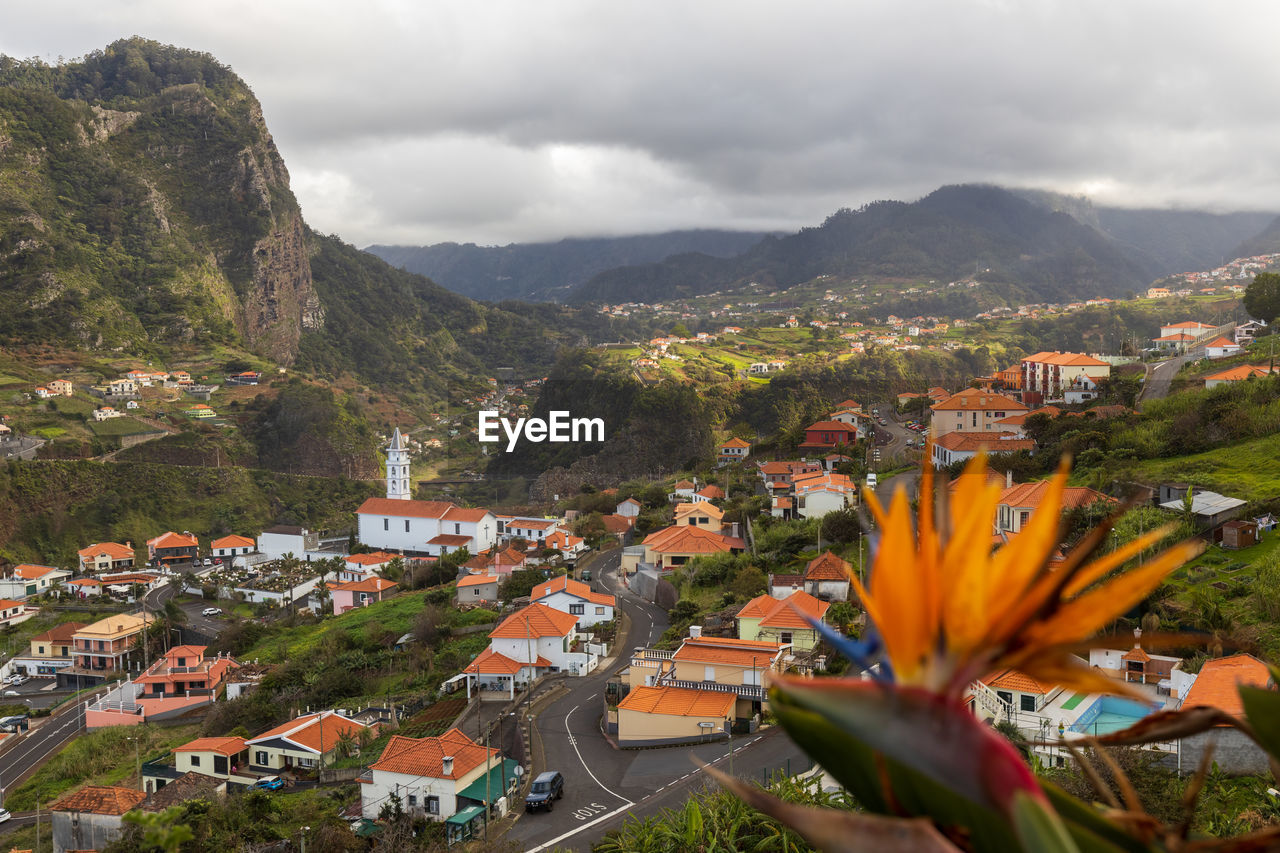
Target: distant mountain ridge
(144, 210)
(547, 271)
(1040, 246)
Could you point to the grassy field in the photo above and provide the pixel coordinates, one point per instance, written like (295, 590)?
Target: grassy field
(394, 615)
(120, 426)
(103, 757)
(1248, 470)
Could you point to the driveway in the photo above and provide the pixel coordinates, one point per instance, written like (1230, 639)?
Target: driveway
(1159, 375)
(603, 784)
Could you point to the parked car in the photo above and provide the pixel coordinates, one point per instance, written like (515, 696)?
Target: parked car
(871, 481)
(211, 611)
(12, 693)
(546, 789)
(4, 815)
(268, 783)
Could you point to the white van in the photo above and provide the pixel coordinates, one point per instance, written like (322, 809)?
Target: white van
(871, 480)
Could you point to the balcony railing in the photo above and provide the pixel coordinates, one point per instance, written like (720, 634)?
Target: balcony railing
(745, 691)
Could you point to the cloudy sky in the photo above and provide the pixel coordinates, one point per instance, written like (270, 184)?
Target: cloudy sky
(420, 121)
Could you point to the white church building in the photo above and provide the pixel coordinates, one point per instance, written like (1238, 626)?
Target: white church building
(434, 528)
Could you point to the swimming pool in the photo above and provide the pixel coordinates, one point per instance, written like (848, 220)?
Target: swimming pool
(1111, 714)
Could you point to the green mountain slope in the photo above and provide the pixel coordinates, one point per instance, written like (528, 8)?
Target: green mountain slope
(144, 207)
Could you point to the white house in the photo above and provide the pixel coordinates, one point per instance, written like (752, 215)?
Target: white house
(306, 742)
(27, 580)
(629, 508)
(437, 777)
(477, 589)
(815, 495)
(1082, 389)
(575, 598)
(229, 547)
(531, 642)
(1221, 348)
(533, 530)
(434, 528)
(283, 539)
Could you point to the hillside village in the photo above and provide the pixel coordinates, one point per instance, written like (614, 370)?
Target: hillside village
(544, 589)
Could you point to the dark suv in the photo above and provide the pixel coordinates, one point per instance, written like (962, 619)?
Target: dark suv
(546, 789)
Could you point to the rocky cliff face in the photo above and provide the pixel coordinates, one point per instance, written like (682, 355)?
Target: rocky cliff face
(148, 204)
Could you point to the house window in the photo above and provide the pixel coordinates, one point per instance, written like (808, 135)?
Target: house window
(1028, 702)
(406, 525)
(786, 637)
(433, 805)
(195, 761)
(708, 673)
(261, 758)
(599, 611)
(457, 530)
(1005, 696)
(386, 524)
(413, 801)
(1022, 519)
(41, 650)
(577, 609)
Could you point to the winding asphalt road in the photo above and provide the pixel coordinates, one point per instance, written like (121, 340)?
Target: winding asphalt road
(604, 785)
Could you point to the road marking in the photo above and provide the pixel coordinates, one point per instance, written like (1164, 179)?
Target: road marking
(553, 842)
(587, 811)
(574, 743)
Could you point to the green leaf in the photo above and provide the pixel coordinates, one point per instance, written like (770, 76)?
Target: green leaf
(1262, 710)
(1039, 827)
(1091, 831)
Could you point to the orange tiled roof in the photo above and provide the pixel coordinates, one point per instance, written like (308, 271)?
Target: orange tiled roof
(233, 541)
(1222, 342)
(99, 799)
(369, 584)
(684, 484)
(1217, 683)
(404, 509)
(1011, 679)
(617, 523)
(450, 539)
(831, 426)
(736, 442)
(757, 653)
(789, 612)
(113, 550)
(220, 745)
(476, 580)
(375, 558)
(1243, 371)
(712, 492)
(564, 583)
(1065, 359)
(678, 702)
(975, 399)
(699, 508)
(827, 567)
(491, 662)
(30, 572)
(425, 756)
(536, 620)
(1031, 494)
(311, 730)
(687, 540)
(992, 442)
(60, 633)
(174, 540)
(457, 513)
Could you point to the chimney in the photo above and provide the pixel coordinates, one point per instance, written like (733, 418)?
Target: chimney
(1008, 479)
(447, 763)
(695, 631)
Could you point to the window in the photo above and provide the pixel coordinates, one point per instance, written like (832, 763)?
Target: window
(433, 805)
(708, 673)
(577, 609)
(786, 637)
(1005, 696)
(406, 525)
(386, 524)
(599, 611)
(457, 530)
(1028, 702)
(260, 757)
(1022, 518)
(41, 650)
(195, 761)
(413, 801)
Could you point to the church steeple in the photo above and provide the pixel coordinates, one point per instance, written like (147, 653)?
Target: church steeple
(398, 469)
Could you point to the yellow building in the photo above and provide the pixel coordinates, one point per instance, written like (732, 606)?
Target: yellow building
(652, 716)
(105, 647)
(783, 620)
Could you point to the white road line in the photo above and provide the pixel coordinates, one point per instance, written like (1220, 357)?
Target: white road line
(574, 743)
(553, 842)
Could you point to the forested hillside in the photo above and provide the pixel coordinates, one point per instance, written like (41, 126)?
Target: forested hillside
(546, 271)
